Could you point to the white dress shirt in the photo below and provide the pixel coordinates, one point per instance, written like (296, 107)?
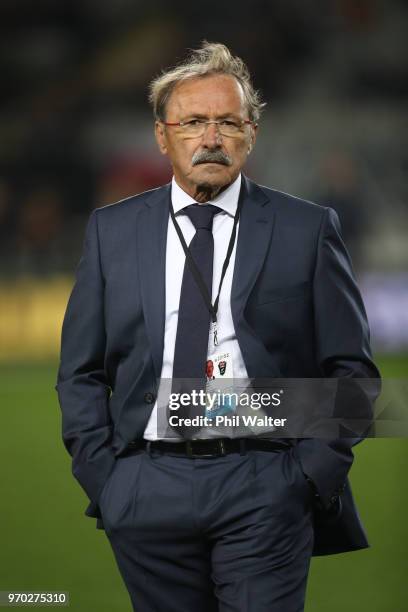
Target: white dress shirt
(175, 259)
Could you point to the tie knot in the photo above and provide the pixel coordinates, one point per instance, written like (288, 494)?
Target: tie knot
(201, 215)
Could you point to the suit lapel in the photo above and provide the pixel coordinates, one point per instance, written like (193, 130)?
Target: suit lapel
(152, 239)
(255, 231)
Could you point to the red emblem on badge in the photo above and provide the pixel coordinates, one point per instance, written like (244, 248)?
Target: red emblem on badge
(209, 369)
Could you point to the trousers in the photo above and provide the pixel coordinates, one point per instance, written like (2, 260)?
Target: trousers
(220, 534)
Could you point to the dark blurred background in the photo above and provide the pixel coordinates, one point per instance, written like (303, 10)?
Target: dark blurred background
(77, 133)
(76, 128)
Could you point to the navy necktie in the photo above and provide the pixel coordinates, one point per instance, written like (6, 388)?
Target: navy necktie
(190, 353)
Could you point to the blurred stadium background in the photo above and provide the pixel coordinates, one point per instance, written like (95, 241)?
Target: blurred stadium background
(76, 133)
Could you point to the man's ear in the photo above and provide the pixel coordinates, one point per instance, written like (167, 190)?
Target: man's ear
(160, 134)
(254, 130)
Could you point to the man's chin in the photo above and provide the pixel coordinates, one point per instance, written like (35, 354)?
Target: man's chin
(209, 187)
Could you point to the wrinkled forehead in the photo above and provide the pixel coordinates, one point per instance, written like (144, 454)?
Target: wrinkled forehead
(210, 96)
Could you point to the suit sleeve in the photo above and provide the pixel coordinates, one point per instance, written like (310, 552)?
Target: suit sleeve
(82, 386)
(343, 351)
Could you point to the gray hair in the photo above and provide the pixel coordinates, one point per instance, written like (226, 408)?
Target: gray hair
(209, 59)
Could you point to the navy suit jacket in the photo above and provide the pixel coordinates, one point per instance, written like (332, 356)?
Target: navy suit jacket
(296, 309)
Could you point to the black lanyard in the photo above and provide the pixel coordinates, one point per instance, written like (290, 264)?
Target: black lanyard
(213, 309)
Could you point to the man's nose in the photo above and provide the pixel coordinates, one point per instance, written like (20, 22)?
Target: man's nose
(212, 137)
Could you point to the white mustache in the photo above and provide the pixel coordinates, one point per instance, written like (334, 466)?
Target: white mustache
(206, 156)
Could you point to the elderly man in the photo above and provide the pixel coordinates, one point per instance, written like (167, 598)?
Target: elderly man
(210, 267)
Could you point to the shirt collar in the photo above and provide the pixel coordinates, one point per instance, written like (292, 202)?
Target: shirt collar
(227, 200)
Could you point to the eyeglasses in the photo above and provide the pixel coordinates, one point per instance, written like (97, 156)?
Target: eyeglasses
(196, 127)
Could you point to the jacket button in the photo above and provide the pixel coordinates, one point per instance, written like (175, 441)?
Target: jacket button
(149, 398)
(333, 499)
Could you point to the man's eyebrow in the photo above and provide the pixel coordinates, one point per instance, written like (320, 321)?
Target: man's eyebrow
(195, 116)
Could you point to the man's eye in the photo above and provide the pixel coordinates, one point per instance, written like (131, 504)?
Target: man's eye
(193, 122)
(229, 123)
